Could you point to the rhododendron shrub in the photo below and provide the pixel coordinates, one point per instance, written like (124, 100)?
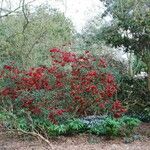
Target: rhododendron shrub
(74, 84)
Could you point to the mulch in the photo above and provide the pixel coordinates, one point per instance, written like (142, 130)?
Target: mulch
(13, 141)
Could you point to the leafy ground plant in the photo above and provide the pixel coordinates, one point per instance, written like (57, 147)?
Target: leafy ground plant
(110, 127)
(116, 127)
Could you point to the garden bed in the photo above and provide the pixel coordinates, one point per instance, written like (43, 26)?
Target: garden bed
(13, 141)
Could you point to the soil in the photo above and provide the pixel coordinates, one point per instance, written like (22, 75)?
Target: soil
(13, 141)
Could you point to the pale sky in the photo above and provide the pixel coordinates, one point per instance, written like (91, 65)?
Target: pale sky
(79, 11)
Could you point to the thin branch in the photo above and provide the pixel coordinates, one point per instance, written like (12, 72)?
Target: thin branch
(36, 41)
(10, 12)
(13, 11)
(1, 7)
(38, 136)
(25, 15)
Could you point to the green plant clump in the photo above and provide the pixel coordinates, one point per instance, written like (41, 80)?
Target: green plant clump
(116, 127)
(110, 127)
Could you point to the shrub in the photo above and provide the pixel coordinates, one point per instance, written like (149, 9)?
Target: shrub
(73, 86)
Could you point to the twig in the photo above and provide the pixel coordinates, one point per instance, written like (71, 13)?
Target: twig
(37, 135)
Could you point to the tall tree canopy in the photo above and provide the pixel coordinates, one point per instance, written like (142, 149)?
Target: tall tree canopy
(129, 28)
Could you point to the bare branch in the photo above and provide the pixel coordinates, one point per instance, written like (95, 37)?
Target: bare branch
(25, 15)
(10, 12)
(13, 11)
(38, 136)
(1, 7)
(36, 42)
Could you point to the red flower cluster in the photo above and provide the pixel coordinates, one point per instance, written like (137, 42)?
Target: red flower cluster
(117, 109)
(89, 85)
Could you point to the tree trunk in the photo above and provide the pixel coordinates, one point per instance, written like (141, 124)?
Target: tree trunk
(146, 60)
(130, 70)
(148, 77)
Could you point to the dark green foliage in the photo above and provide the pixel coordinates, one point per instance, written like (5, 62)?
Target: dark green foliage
(75, 126)
(110, 127)
(55, 130)
(116, 127)
(135, 95)
(129, 28)
(72, 126)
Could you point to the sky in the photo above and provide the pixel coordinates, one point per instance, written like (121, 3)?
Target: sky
(79, 11)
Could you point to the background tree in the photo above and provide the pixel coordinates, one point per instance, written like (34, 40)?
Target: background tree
(27, 35)
(129, 28)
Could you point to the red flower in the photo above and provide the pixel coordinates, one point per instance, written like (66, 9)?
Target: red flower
(6, 91)
(117, 115)
(110, 90)
(93, 87)
(109, 78)
(102, 63)
(117, 109)
(55, 50)
(92, 73)
(27, 103)
(52, 69)
(37, 75)
(51, 117)
(59, 84)
(116, 105)
(77, 97)
(59, 112)
(102, 105)
(68, 57)
(88, 89)
(35, 110)
(16, 71)
(60, 75)
(7, 67)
